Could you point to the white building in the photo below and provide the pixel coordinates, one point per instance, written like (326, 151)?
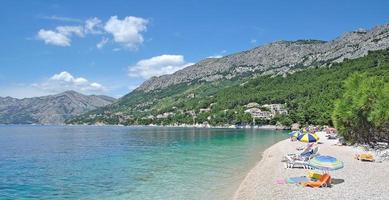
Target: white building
(259, 114)
(276, 108)
(164, 115)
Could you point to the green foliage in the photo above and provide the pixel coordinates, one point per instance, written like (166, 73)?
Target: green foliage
(362, 113)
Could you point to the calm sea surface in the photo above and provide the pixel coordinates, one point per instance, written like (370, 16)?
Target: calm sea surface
(88, 162)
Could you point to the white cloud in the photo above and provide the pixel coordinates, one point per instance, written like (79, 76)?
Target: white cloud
(54, 38)
(128, 31)
(65, 81)
(70, 30)
(60, 36)
(92, 25)
(253, 41)
(102, 43)
(157, 66)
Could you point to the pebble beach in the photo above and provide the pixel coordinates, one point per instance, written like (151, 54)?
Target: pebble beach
(357, 180)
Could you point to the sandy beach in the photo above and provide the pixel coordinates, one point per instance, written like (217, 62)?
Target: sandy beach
(357, 180)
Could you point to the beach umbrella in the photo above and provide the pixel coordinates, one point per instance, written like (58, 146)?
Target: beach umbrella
(295, 134)
(325, 163)
(308, 137)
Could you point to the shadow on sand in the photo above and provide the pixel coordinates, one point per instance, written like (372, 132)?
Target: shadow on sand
(336, 181)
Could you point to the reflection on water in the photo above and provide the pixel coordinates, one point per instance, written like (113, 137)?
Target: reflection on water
(59, 162)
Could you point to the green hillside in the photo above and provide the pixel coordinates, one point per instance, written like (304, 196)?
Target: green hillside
(309, 96)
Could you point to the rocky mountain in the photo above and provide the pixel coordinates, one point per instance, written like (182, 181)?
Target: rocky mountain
(216, 90)
(279, 57)
(52, 109)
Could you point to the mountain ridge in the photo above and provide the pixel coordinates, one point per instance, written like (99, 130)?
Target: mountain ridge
(279, 57)
(50, 109)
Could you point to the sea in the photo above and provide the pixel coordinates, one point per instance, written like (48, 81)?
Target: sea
(140, 163)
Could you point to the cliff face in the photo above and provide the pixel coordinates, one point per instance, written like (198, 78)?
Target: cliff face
(53, 109)
(277, 58)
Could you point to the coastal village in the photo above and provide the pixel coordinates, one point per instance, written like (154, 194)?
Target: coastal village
(264, 112)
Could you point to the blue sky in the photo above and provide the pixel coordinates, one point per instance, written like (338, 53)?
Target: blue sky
(111, 47)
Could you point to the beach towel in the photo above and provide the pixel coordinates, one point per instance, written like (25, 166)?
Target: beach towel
(281, 181)
(299, 179)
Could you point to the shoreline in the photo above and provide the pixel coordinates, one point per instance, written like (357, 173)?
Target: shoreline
(265, 154)
(357, 180)
(263, 127)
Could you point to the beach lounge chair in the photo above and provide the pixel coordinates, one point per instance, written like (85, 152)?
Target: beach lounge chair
(296, 163)
(307, 154)
(300, 160)
(365, 157)
(324, 181)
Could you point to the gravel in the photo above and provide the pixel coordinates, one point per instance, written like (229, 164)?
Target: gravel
(357, 180)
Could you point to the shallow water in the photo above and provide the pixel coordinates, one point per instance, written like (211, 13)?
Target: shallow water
(89, 162)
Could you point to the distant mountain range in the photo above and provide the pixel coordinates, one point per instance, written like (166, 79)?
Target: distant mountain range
(52, 109)
(181, 96)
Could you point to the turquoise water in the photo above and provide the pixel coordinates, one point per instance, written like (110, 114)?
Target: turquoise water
(87, 162)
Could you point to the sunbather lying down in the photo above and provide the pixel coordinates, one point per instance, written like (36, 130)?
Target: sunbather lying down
(365, 157)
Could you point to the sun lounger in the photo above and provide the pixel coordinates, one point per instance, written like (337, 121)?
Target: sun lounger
(324, 181)
(365, 157)
(305, 155)
(296, 163)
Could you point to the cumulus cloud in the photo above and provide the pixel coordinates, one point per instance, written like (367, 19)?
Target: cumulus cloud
(54, 38)
(128, 31)
(157, 66)
(64, 81)
(61, 35)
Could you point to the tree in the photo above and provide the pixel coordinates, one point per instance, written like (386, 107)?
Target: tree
(361, 115)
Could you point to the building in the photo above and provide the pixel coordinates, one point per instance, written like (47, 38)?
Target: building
(164, 115)
(276, 108)
(257, 113)
(269, 111)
